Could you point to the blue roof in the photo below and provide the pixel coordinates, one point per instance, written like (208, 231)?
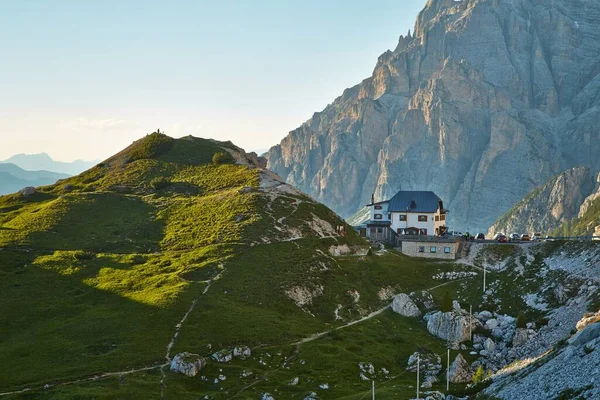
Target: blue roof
(417, 201)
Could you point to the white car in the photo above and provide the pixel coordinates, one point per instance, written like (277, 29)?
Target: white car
(498, 235)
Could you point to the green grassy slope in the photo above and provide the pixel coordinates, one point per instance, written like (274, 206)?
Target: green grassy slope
(98, 271)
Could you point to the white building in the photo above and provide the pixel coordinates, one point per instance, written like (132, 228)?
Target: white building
(407, 213)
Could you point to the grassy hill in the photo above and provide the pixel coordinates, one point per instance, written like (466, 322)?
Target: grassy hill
(188, 245)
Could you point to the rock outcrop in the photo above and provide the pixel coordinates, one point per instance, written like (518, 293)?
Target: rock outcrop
(188, 364)
(460, 370)
(403, 305)
(484, 102)
(450, 326)
(549, 206)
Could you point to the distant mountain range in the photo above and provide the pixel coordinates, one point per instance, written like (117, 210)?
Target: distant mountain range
(43, 162)
(13, 178)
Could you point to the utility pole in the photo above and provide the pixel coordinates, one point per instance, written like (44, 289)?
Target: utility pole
(471, 322)
(418, 372)
(373, 389)
(484, 272)
(448, 373)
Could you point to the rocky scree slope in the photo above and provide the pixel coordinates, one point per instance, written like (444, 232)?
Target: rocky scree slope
(485, 101)
(551, 205)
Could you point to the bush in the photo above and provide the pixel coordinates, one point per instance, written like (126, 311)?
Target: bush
(521, 321)
(479, 375)
(151, 146)
(446, 305)
(82, 255)
(159, 183)
(221, 158)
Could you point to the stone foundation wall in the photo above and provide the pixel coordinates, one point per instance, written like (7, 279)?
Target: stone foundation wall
(443, 250)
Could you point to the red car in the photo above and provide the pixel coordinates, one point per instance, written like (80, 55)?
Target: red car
(502, 239)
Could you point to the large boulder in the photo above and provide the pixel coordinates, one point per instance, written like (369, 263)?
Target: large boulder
(242, 352)
(403, 305)
(27, 191)
(188, 364)
(521, 337)
(450, 326)
(586, 335)
(460, 370)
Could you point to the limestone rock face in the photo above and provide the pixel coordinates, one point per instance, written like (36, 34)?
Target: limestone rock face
(460, 370)
(547, 207)
(449, 326)
(486, 101)
(187, 364)
(403, 305)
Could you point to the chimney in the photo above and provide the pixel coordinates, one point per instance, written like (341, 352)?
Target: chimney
(373, 198)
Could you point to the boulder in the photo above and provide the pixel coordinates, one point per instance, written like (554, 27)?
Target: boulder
(489, 346)
(27, 191)
(223, 356)
(242, 352)
(586, 335)
(450, 326)
(188, 364)
(520, 337)
(491, 324)
(403, 305)
(460, 370)
(485, 315)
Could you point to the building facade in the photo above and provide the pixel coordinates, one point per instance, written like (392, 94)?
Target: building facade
(414, 213)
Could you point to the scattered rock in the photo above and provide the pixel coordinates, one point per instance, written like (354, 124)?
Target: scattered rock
(520, 337)
(449, 326)
(324, 386)
(294, 381)
(489, 346)
(404, 306)
(188, 364)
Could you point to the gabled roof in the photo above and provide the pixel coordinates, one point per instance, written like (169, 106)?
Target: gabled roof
(414, 201)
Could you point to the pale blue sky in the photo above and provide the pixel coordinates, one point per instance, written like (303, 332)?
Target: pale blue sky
(83, 79)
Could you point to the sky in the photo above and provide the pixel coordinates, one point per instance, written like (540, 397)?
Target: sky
(84, 79)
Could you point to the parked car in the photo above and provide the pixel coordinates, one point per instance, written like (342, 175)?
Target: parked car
(536, 237)
(497, 235)
(549, 238)
(525, 238)
(515, 237)
(502, 239)
(480, 236)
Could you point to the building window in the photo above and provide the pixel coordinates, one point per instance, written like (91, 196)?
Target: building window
(433, 249)
(400, 231)
(378, 207)
(402, 218)
(379, 230)
(437, 218)
(422, 218)
(443, 217)
(373, 230)
(389, 216)
(378, 216)
(447, 250)
(421, 249)
(423, 232)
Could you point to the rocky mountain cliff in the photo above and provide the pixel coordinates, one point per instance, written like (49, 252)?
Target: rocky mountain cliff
(549, 206)
(484, 102)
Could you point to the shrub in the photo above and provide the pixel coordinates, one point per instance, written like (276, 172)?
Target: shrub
(151, 146)
(446, 305)
(159, 183)
(221, 158)
(82, 255)
(479, 375)
(521, 321)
